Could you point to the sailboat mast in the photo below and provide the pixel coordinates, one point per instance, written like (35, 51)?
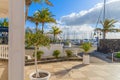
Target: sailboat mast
(104, 12)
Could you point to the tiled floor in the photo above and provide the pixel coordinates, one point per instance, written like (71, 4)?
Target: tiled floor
(72, 70)
(78, 71)
(3, 70)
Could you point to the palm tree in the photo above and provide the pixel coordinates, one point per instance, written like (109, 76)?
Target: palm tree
(29, 2)
(35, 19)
(45, 17)
(42, 16)
(108, 26)
(55, 31)
(4, 23)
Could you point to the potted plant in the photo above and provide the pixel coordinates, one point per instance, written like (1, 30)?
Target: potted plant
(86, 57)
(69, 53)
(67, 43)
(37, 39)
(117, 56)
(56, 53)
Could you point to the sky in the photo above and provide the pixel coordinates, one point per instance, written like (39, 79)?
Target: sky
(78, 16)
(63, 7)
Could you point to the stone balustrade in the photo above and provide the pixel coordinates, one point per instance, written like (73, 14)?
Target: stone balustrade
(3, 51)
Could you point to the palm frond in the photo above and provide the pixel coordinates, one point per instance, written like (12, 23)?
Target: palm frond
(28, 2)
(48, 2)
(98, 29)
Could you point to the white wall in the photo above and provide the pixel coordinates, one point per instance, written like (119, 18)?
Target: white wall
(49, 51)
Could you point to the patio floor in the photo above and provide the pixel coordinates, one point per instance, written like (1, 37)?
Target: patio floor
(78, 71)
(72, 70)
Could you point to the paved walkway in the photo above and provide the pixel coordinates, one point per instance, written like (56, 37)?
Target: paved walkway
(72, 70)
(101, 57)
(78, 71)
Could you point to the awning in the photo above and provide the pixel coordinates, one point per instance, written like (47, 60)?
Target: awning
(3, 8)
(3, 29)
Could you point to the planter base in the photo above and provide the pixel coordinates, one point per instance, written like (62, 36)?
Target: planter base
(43, 78)
(86, 59)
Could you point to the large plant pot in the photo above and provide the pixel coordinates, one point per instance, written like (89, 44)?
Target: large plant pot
(45, 78)
(69, 45)
(86, 59)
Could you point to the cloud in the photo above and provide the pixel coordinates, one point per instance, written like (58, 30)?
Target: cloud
(82, 28)
(81, 23)
(78, 32)
(91, 16)
(113, 35)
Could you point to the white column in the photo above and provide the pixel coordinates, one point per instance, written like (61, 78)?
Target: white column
(16, 40)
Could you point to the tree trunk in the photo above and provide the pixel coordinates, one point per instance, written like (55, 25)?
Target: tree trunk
(36, 27)
(42, 28)
(104, 35)
(26, 12)
(36, 67)
(54, 38)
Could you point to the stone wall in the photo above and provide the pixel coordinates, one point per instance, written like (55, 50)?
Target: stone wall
(108, 45)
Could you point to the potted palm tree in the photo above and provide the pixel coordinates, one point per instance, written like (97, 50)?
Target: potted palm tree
(37, 39)
(86, 47)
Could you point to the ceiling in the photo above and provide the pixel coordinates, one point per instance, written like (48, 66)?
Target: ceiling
(3, 8)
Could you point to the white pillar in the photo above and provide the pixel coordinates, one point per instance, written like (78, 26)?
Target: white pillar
(16, 40)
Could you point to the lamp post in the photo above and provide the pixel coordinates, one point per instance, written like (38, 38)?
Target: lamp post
(98, 35)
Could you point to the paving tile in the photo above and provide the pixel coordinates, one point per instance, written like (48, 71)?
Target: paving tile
(102, 73)
(1, 71)
(80, 79)
(73, 71)
(77, 75)
(96, 78)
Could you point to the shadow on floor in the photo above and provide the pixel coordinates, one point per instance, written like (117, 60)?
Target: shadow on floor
(101, 57)
(97, 57)
(66, 71)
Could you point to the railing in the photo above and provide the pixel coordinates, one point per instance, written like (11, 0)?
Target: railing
(3, 51)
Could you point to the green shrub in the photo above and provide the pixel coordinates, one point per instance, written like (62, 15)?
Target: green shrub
(86, 46)
(67, 42)
(56, 53)
(39, 54)
(117, 55)
(69, 53)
